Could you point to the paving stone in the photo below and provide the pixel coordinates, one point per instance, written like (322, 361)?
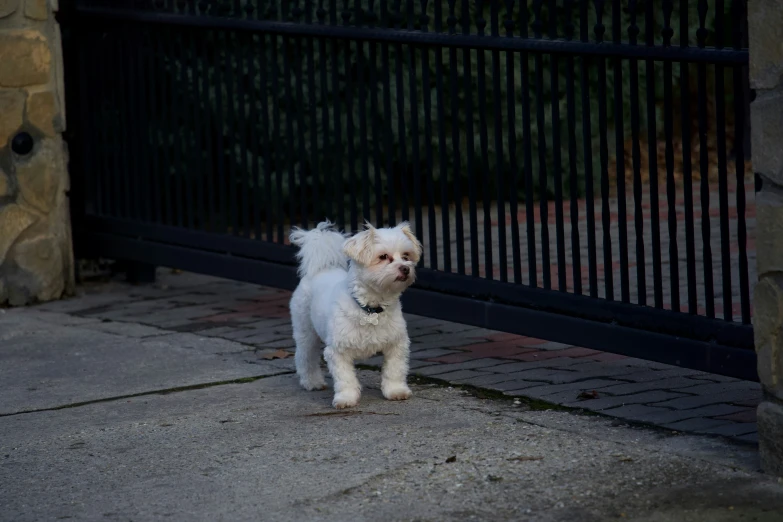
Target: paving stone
(126, 329)
(667, 416)
(256, 338)
(636, 412)
(684, 403)
(656, 375)
(560, 376)
(684, 384)
(413, 364)
(565, 392)
(430, 345)
(485, 364)
(699, 424)
(747, 415)
(443, 340)
(431, 353)
(452, 376)
(439, 369)
(721, 387)
(732, 430)
(485, 380)
(553, 346)
(554, 364)
(513, 386)
(752, 438)
(605, 403)
(282, 344)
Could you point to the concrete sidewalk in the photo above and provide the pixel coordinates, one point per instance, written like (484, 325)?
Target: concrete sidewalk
(114, 405)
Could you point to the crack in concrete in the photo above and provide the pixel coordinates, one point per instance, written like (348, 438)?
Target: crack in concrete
(165, 391)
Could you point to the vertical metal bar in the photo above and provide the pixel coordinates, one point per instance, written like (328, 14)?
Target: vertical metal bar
(428, 143)
(365, 152)
(350, 134)
(557, 167)
(187, 114)
(576, 258)
(690, 240)
(469, 143)
(622, 213)
(312, 111)
(375, 120)
(483, 139)
(242, 134)
(275, 129)
(604, 155)
(337, 168)
(289, 109)
(254, 218)
(723, 175)
(671, 195)
(233, 126)
(500, 168)
(652, 153)
(542, 154)
(122, 154)
(442, 146)
(266, 129)
(323, 164)
(219, 218)
(401, 131)
(456, 144)
(200, 152)
(388, 146)
(413, 95)
(138, 170)
(512, 146)
(641, 277)
(709, 293)
(587, 146)
(530, 221)
(740, 106)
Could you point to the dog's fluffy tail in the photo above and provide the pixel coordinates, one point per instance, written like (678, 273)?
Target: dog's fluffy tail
(319, 249)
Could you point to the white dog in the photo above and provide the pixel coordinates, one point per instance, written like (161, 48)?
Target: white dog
(349, 298)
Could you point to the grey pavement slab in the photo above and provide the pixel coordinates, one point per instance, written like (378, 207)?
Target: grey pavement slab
(266, 450)
(45, 365)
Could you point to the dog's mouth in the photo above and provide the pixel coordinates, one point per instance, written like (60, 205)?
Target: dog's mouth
(402, 278)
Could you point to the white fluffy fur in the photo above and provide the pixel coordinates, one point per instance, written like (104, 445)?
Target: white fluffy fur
(323, 309)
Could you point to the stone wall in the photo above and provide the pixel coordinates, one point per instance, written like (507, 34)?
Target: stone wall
(36, 259)
(765, 29)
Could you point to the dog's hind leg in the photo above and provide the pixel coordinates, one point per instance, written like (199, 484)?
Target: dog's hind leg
(308, 349)
(308, 358)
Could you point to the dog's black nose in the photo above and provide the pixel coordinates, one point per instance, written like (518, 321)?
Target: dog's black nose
(405, 270)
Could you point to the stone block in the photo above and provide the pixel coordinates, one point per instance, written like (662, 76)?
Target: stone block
(42, 111)
(11, 113)
(25, 58)
(766, 113)
(766, 43)
(770, 426)
(8, 7)
(13, 221)
(769, 231)
(40, 259)
(768, 332)
(5, 185)
(36, 9)
(39, 178)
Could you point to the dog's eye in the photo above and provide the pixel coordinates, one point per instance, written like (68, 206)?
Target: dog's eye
(405, 256)
(383, 257)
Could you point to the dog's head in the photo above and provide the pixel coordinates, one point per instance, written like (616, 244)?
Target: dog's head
(385, 258)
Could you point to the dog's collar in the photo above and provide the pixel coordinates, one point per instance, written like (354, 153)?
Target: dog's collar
(368, 309)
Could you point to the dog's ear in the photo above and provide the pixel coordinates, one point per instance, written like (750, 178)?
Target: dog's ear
(405, 228)
(361, 247)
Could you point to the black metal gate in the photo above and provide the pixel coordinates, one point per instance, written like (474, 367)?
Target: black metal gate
(575, 169)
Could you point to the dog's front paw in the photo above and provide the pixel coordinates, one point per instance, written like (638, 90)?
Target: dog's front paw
(345, 400)
(396, 392)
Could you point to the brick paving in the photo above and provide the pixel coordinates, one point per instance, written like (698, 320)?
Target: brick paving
(630, 389)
